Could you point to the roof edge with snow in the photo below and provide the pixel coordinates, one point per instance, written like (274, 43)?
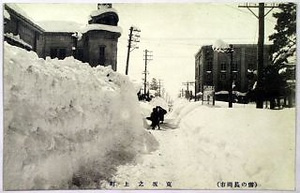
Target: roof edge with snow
(99, 12)
(60, 26)
(101, 27)
(18, 12)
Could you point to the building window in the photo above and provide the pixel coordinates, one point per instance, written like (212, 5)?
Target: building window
(59, 53)
(102, 55)
(234, 66)
(223, 66)
(209, 65)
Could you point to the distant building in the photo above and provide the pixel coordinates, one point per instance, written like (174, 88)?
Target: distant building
(94, 43)
(211, 68)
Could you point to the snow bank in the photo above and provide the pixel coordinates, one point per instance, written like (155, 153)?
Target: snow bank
(67, 125)
(238, 144)
(215, 144)
(182, 108)
(158, 101)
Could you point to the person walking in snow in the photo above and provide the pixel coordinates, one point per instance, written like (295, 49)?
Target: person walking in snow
(161, 111)
(155, 118)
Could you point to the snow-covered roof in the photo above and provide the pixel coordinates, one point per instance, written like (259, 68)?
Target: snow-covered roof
(22, 14)
(219, 44)
(60, 26)
(17, 9)
(101, 27)
(6, 15)
(71, 27)
(17, 39)
(102, 11)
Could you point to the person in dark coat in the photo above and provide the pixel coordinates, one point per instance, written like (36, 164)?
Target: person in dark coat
(155, 118)
(161, 112)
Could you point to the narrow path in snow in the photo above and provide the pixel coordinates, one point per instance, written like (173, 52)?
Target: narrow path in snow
(203, 151)
(167, 166)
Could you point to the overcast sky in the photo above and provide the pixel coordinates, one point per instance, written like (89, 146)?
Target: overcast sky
(173, 31)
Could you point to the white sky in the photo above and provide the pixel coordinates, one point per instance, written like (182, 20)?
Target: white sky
(173, 31)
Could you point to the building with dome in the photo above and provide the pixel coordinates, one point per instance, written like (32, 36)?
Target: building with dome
(94, 43)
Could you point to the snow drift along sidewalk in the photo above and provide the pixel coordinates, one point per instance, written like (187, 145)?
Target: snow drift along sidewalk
(242, 144)
(66, 125)
(218, 144)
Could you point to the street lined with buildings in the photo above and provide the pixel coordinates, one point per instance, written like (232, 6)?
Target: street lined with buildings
(82, 99)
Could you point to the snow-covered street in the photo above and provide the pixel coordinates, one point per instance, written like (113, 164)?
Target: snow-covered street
(212, 145)
(70, 126)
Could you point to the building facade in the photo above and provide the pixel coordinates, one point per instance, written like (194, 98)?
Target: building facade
(94, 43)
(211, 68)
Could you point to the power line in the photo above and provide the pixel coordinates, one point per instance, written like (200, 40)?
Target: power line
(260, 45)
(270, 20)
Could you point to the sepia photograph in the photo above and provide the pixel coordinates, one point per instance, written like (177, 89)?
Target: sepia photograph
(149, 96)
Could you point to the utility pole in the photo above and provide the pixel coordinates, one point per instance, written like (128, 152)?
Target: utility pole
(147, 56)
(260, 46)
(260, 55)
(133, 37)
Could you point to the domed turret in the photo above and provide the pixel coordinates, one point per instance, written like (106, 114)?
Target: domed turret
(100, 37)
(105, 14)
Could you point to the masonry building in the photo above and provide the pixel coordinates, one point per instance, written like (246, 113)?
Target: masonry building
(211, 68)
(94, 43)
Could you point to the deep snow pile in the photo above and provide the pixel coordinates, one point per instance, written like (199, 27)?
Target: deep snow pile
(217, 144)
(242, 144)
(67, 125)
